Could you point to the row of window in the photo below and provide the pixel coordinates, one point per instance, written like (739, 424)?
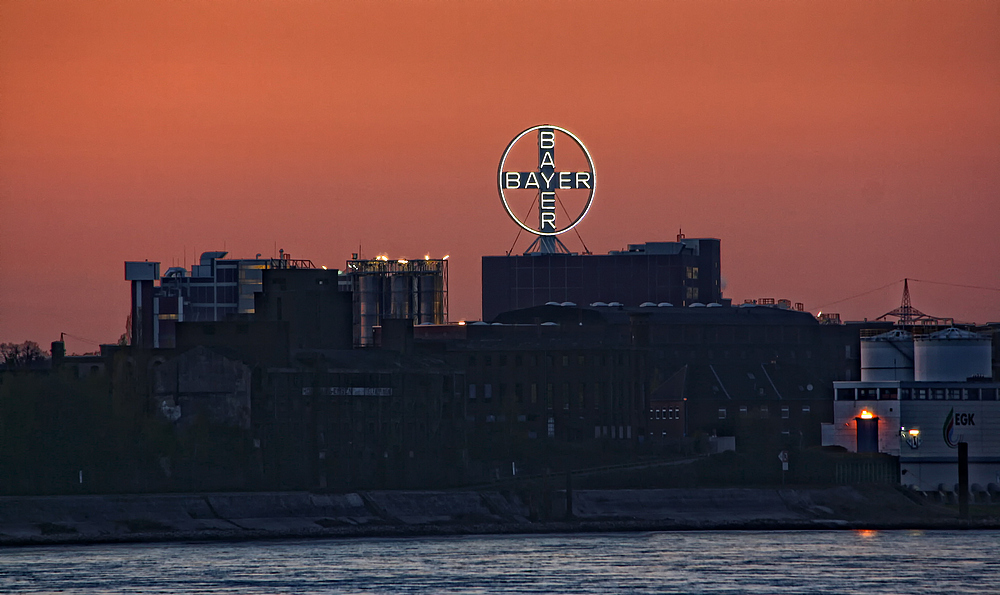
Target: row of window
(786, 411)
(598, 392)
(551, 360)
(668, 413)
(916, 394)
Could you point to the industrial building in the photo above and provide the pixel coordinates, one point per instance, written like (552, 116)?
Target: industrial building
(416, 290)
(680, 273)
(218, 289)
(215, 289)
(922, 391)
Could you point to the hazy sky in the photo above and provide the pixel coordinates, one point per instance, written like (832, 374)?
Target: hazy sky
(834, 147)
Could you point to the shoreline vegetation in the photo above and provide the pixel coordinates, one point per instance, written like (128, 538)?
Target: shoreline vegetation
(106, 519)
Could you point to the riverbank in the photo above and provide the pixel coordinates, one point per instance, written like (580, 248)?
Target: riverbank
(240, 516)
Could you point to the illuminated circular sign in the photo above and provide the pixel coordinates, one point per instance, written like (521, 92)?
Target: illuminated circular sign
(546, 181)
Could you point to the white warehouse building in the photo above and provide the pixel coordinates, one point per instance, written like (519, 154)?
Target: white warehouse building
(918, 397)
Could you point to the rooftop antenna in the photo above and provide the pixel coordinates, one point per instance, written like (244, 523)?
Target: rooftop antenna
(680, 234)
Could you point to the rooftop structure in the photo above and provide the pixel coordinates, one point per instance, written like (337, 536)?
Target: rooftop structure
(681, 273)
(401, 288)
(213, 290)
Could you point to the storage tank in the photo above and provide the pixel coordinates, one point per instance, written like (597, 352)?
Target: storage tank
(888, 356)
(402, 292)
(367, 311)
(430, 308)
(952, 355)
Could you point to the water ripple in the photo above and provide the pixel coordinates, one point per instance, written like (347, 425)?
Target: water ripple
(828, 562)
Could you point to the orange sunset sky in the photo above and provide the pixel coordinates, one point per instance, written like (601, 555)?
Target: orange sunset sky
(834, 147)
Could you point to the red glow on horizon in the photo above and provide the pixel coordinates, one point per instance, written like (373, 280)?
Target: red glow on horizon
(833, 146)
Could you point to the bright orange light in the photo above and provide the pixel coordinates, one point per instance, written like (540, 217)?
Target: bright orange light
(402, 261)
(461, 323)
(865, 414)
(446, 257)
(914, 432)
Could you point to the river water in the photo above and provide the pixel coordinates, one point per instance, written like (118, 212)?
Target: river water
(664, 562)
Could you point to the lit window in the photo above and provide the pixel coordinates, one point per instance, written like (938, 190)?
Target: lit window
(722, 413)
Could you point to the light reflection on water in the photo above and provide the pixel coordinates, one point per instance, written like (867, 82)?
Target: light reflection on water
(685, 562)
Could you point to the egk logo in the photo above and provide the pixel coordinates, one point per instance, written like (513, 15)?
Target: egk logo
(956, 419)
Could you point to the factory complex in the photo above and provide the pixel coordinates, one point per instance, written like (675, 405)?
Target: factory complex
(274, 374)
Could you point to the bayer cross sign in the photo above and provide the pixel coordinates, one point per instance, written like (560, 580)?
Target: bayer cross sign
(546, 181)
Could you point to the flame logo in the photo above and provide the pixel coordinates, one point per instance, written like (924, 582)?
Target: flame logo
(949, 429)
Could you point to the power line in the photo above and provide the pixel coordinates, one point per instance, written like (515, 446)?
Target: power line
(911, 279)
(85, 340)
(957, 285)
(859, 295)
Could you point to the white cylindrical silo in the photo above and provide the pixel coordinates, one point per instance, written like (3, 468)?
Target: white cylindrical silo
(888, 356)
(952, 355)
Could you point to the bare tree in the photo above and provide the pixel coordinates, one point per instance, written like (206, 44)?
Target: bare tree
(20, 355)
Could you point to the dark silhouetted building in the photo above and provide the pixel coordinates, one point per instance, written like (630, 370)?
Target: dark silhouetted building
(679, 273)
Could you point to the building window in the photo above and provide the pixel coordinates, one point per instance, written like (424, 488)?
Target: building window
(519, 392)
(503, 360)
(805, 409)
(785, 413)
(691, 272)
(487, 360)
(487, 392)
(534, 393)
(743, 409)
(472, 392)
(763, 409)
(845, 394)
(722, 413)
